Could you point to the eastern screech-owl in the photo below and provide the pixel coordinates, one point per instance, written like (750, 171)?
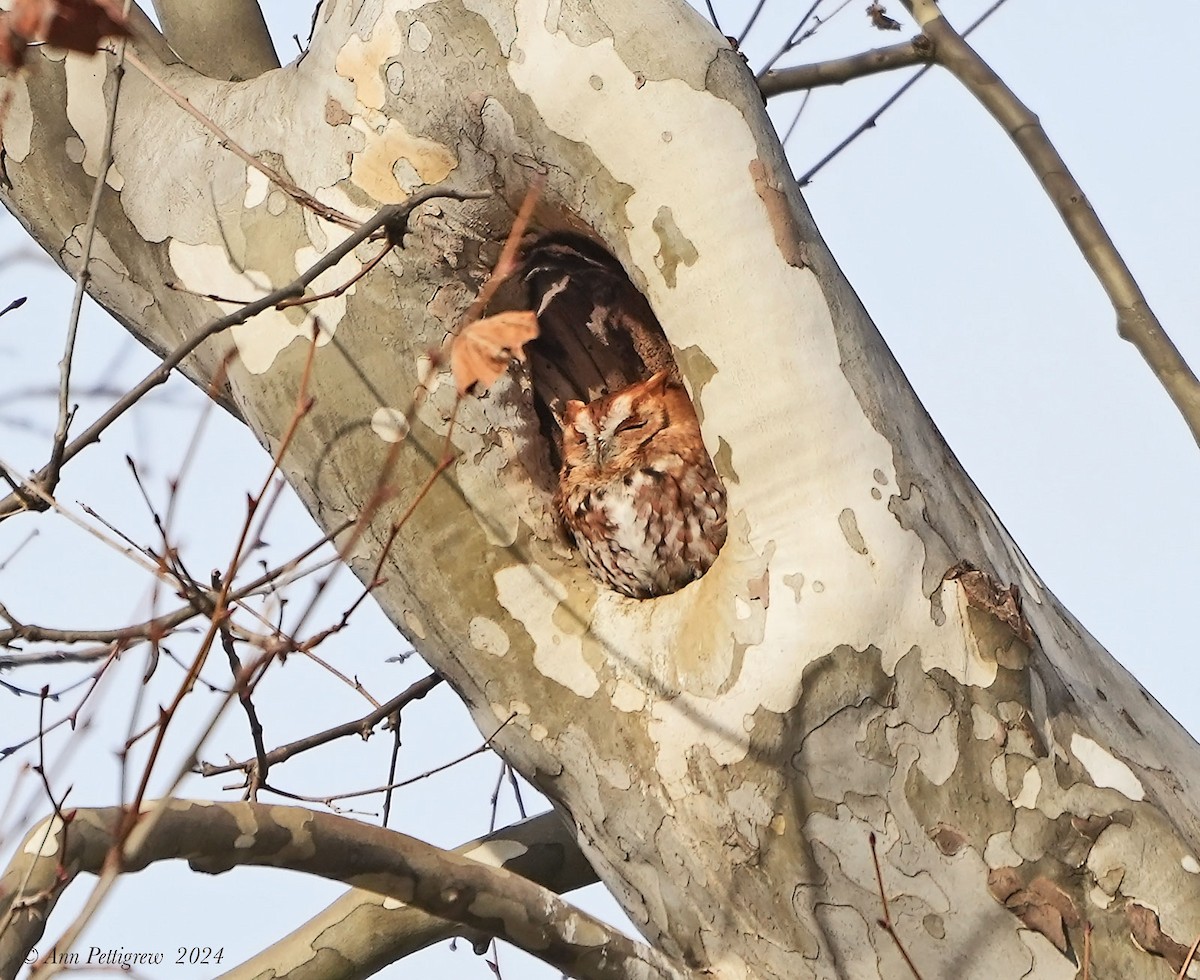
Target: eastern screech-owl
(638, 491)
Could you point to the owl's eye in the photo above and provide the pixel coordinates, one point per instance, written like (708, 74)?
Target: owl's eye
(630, 424)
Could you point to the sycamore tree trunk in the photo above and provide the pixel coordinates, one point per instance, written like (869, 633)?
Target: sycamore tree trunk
(870, 654)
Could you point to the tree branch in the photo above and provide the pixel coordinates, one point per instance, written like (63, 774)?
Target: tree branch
(367, 935)
(1136, 322)
(216, 837)
(226, 39)
(918, 51)
(65, 412)
(201, 603)
(387, 217)
(359, 726)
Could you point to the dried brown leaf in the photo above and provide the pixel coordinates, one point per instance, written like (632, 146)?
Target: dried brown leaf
(77, 25)
(880, 19)
(483, 349)
(984, 592)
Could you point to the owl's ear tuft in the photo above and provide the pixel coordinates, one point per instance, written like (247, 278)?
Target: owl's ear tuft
(570, 411)
(658, 382)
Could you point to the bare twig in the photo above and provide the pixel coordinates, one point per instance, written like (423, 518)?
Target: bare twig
(712, 15)
(65, 412)
(787, 134)
(301, 197)
(840, 70)
(159, 626)
(800, 34)
(741, 39)
(360, 726)
(1136, 322)
(873, 118)
(256, 771)
(1188, 959)
(393, 215)
(393, 764)
(338, 290)
(1087, 950)
(387, 787)
(793, 39)
(886, 922)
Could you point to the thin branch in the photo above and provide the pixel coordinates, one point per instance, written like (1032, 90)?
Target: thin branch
(777, 81)
(201, 604)
(338, 290)
(1087, 950)
(1136, 322)
(787, 133)
(388, 787)
(158, 627)
(750, 22)
(65, 412)
(393, 764)
(1188, 961)
(360, 726)
(793, 39)
(301, 197)
(391, 216)
(256, 771)
(886, 922)
(873, 118)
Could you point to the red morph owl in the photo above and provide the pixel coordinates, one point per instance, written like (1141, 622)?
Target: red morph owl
(638, 491)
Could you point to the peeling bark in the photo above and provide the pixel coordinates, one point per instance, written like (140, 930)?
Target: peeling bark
(829, 676)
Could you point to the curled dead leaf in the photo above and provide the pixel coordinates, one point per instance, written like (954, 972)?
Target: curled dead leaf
(880, 19)
(483, 349)
(985, 593)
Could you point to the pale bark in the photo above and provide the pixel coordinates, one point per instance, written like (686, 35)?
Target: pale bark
(219, 38)
(725, 751)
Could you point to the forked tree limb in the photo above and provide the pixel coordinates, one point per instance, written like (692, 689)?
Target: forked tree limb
(838, 71)
(368, 932)
(473, 899)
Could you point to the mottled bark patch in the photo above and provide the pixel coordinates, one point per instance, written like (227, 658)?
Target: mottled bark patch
(674, 247)
(1041, 904)
(779, 214)
(1146, 929)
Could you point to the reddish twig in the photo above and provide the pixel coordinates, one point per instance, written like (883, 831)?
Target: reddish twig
(886, 922)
